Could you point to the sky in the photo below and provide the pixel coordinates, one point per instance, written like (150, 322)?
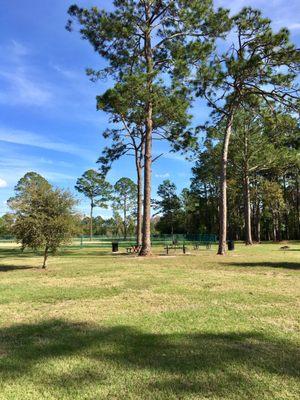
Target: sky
(48, 118)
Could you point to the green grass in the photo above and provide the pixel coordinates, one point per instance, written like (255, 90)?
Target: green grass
(96, 326)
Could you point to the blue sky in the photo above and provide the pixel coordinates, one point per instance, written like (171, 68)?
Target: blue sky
(48, 119)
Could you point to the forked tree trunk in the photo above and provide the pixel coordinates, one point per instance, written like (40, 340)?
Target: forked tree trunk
(247, 211)
(257, 222)
(45, 257)
(274, 226)
(139, 223)
(125, 218)
(223, 189)
(297, 208)
(91, 220)
(246, 182)
(146, 240)
(172, 227)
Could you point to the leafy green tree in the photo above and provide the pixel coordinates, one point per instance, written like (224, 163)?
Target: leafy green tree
(125, 191)
(6, 223)
(149, 39)
(94, 186)
(29, 180)
(263, 149)
(43, 216)
(257, 64)
(117, 224)
(169, 203)
(254, 151)
(273, 200)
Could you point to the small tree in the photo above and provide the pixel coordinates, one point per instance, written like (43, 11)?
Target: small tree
(44, 216)
(125, 200)
(93, 185)
(169, 203)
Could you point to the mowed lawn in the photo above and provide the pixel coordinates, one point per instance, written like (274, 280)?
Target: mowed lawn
(96, 326)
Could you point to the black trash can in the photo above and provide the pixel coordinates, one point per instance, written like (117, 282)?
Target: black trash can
(230, 245)
(115, 247)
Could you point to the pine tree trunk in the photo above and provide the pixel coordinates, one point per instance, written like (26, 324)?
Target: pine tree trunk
(274, 219)
(146, 239)
(247, 211)
(279, 236)
(298, 206)
(258, 230)
(45, 257)
(91, 221)
(246, 182)
(139, 222)
(223, 189)
(124, 219)
(257, 223)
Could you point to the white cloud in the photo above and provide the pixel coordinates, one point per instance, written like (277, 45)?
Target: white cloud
(21, 89)
(27, 138)
(293, 26)
(21, 84)
(175, 156)
(57, 176)
(18, 49)
(163, 176)
(3, 183)
(68, 73)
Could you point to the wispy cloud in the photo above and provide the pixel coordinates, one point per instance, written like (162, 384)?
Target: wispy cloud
(3, 183)
(27, 138)
(12, 175)
(163, 176)
(175, 156)
(21, 83)
(57, 176)
(67, 73)
(293, 26)
(18, 49)
(21, 89)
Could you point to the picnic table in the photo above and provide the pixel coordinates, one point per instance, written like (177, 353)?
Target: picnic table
(175, 247)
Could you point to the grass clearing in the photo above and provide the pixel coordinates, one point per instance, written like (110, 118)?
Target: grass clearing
(97, 326)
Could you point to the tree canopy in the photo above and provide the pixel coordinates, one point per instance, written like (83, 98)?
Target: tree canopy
(43, 216)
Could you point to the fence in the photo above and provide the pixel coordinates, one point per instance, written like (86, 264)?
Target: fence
(157, 240)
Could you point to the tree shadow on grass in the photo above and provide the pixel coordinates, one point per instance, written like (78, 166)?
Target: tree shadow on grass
(16, 253)
(7, 268)
(291, 250)
(268, 264)
(92, 253)
(209, 364)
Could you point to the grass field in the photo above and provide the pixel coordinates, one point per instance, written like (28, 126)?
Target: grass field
(96, 326)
